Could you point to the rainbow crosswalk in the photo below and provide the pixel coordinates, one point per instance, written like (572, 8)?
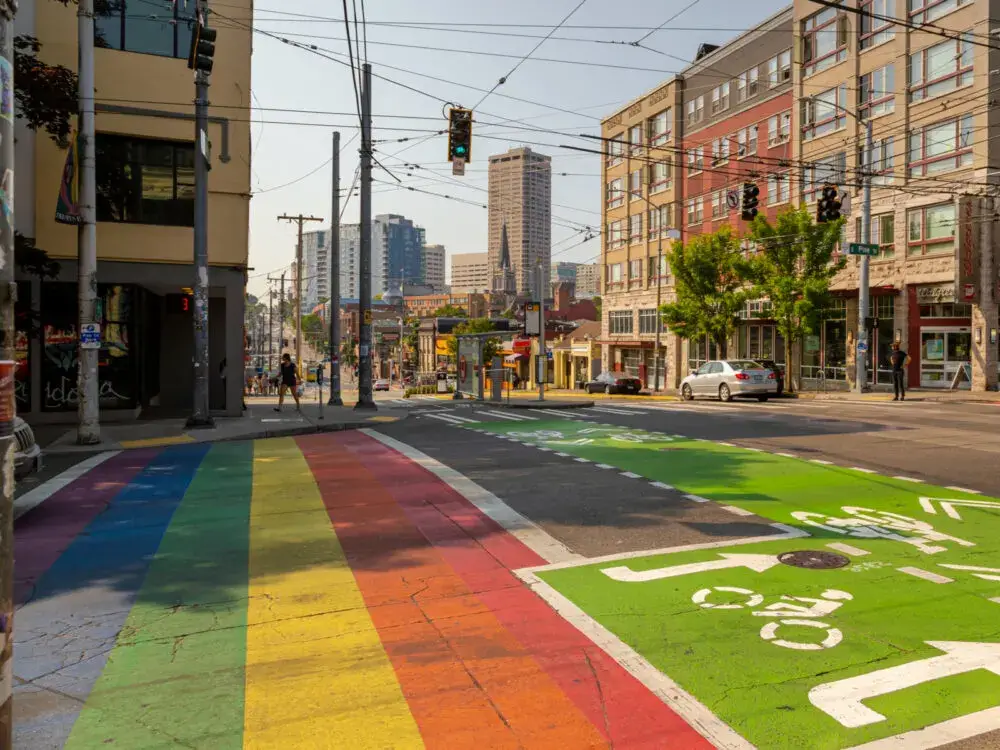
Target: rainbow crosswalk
(320, 592)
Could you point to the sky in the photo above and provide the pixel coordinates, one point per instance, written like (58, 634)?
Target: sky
(301, 97)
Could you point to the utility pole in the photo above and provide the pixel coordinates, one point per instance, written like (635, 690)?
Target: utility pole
(270, 326)
(543, 362)
(88, 388)
(334, 356)
(8, 402)
(300, 220)
(861, 357)
(281, 314)
(365, 399)
(200, 59)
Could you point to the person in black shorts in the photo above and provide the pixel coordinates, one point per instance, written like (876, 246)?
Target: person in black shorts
(289, 380)
(899, 360)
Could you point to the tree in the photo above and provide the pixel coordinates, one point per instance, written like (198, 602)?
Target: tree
(710, 284)
(314, 330)
(793, 268)
(450, 311)
(599, 304)
(476, 325)
(348, 356)
(412, 339)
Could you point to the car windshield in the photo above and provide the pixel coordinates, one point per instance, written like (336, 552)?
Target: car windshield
(745, 365)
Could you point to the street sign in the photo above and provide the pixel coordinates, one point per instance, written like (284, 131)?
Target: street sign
(733, 198)
(862, 346)
(90, 336)
(860, 248)
(368, 317)
(458, 166)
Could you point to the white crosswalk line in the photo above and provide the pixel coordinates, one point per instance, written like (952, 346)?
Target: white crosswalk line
(510, 417)
(445, 418)
(605, 410)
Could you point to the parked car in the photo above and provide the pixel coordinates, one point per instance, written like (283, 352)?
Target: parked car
(28, 458)
(613, 382)
(726, 379)
(381, 384)
(779, 374)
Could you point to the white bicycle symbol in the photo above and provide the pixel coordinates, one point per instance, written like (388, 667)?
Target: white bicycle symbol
(798, 611)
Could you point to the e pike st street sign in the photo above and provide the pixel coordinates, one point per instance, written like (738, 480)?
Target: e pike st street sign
(861, 248)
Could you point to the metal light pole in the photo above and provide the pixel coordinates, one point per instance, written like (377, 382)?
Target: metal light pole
(861, 357)
(365, 399)
(334, 347)
(543, 362)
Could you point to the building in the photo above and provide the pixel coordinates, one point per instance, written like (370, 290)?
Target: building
(434, 267)
(350, 261)
(425, 305)
(929, 96)
(397, 252)
(145, 210)
(315, 269)
(520, 198)
(588, 280)
(470, 272)
(563, 271)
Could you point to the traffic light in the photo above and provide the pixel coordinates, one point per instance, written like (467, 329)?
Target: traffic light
(201, 57)
(750, 202)
(460, 134)
(828, 206)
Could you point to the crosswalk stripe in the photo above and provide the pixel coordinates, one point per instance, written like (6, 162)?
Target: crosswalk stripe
(605, 410)
(511, 417)
(445, 418)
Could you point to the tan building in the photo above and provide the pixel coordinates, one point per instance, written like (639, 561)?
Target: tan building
(930, 101)
(434, 266)
(145, 211)
(520, 197)
(588, 280)
(470, 272)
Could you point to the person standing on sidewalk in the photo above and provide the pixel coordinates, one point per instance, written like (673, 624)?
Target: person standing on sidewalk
(289, 381)
(899, 360)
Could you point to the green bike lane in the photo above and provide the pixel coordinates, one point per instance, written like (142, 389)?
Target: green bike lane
(898, 638)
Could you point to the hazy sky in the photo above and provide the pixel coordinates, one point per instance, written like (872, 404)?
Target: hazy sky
(289, 142)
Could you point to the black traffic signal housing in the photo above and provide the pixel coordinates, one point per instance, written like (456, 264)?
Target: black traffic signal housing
(201, 57)
(828, 205)
(750, 201)
(460, 134)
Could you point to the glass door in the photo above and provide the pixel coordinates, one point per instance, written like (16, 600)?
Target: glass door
(943, 351)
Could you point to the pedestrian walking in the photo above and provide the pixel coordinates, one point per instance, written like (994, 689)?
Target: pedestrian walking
(899, 360)
(289, 381)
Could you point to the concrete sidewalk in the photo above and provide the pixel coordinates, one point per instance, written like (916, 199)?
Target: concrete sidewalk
(915, 394)
(259, 421)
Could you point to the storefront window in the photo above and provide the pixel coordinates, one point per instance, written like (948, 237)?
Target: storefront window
(878, 355)
(943, 352)
(631, 360)
(946, 310)
(24, 325)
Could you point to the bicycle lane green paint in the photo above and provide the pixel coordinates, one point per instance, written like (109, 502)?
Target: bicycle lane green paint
(176, 674)
(755, 654)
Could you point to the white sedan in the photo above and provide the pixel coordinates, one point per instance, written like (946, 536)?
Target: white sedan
(726, 379)
(381, 385)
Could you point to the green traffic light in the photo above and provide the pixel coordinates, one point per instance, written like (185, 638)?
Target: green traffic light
(460, 150)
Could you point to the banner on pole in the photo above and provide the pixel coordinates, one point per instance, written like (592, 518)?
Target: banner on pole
(68, 202)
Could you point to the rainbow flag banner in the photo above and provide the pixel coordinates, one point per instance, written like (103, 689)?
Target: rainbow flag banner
(318, 592)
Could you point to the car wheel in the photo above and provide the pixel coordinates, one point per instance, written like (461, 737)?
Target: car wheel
(686, 393)
(607, 389)
(724, 393)
(762, 398)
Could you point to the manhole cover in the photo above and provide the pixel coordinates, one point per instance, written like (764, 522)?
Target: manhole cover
(814, 560)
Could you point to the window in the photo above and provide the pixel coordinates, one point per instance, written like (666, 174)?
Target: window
(877, 92)
(649, 320)
(824, 113)
(635, 185)
(779, 188)
(144, 181)
(131, 25)
(779, 129)
(718, 204)
(635, 138)
(616, 148)
(662, 264)
(720, 151)
(635, 228)
(940, 68)
(616, 193)
(635, 270)
(747, 85)
(874, 28)
(720, 98)
(824, 40)
(779, 69)
(615, 230)
(883, 151)
(620, 321)
(941, 147)
(615, 273)
(695, 207)
(746, 141)
(922, 11)
(695, 160)
(882, 234)
(946, 310)
(659, 177)
(931, 230)
(696, 110)
(830, 170)
(659, 221)
(659, 128)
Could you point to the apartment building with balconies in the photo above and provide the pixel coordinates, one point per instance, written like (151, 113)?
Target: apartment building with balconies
(926, 91)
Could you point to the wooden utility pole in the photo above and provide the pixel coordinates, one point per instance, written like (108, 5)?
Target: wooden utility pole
(300, 220)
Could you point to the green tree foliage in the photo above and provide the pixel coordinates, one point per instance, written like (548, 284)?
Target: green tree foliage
(450, 311)
(793, 268)
(348, 355)
(476, 325)
(314, 330)
(710, 287)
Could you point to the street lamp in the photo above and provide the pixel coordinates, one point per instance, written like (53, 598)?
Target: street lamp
(864, 292)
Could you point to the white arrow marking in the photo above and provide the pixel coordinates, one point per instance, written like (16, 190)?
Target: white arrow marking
(843, 699)
(948, 505)
(977, 571)
(758, 563)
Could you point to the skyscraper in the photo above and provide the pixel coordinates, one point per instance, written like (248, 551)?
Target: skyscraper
(520, 197)
(397, 252)
(315, 269)
(434, 266)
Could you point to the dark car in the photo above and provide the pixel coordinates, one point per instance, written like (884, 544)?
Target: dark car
(778, 370)
(613, 382)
